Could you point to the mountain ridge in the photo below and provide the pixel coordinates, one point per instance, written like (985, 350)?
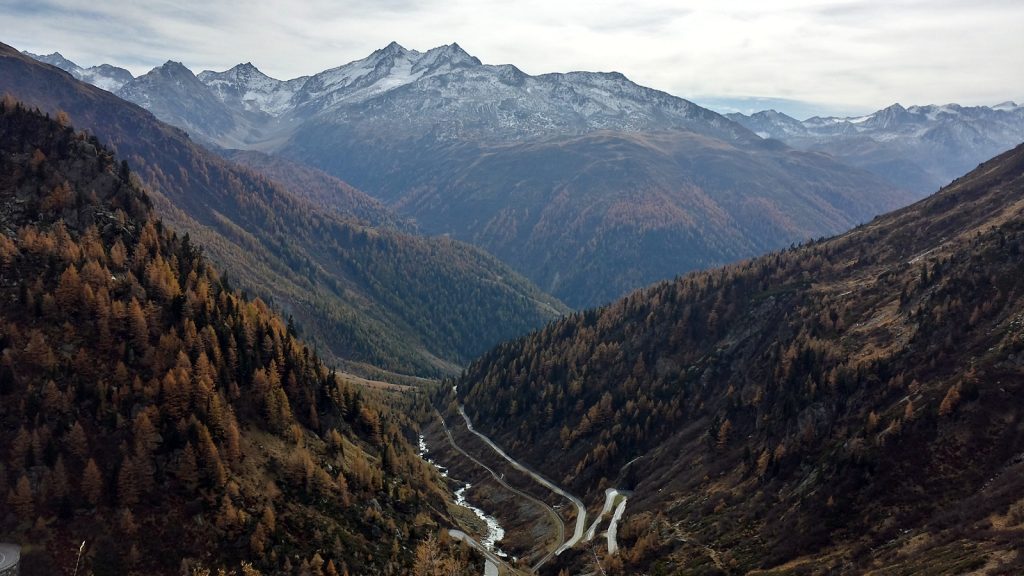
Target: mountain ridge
(154, 414)
(105, 76)
(843, 406)
(918, 147)
(319, 92)
(563, 176)
(359, 292)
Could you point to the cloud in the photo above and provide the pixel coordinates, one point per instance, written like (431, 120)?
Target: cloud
(851, 54)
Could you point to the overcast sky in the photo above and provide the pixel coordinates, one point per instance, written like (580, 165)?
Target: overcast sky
(801, 56)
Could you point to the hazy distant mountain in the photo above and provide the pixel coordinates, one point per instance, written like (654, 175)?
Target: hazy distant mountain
(174, 94)
(587, 183)
(919, 148)
(245, 87)
(105, 76)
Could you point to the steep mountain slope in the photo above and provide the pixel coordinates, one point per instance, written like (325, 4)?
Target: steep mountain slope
(365, 294)
(154, 412)
(321, 189)
(174, 94)
(845, 406)
(628, 208)
(245, 87)
(919, 148)
(562, 175)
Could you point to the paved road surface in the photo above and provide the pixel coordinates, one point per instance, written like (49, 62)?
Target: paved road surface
(613, 526)
(556, 519)
(9, 555)
(609, 499)
(581, 510)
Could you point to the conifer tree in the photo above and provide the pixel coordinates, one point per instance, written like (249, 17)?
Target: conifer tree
(92, 483)
(22, 500)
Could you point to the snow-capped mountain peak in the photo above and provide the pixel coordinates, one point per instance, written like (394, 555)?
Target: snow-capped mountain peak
(384, 70)
(919, 147)
(889, 118)
(451, 55)
(171, 69)
(55, 59)
(444, 91)
(775, 116)
(769, 123)
(360, 72)
(169, 77)
(247, 71)
(239, 75)
(392, 49)
(246, 86)
(104, 76)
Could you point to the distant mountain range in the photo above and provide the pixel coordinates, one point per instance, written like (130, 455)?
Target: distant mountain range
(358, 283)
(919, 148)
(587, 183)
(105, 76)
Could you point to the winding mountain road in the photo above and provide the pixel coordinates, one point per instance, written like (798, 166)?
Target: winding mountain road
(609, 500)
(613, 527)
(610, 495)
(581, 510)
(556, 519)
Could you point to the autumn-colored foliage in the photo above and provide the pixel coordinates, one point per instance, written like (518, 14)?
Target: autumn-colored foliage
(362, 294)
(146, 401)
(832, 394)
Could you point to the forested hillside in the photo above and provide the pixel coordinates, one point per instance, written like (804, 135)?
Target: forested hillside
(565, 177)
(150, 409)
(375, 295)
(590, 218)
(847, 405)
(321, 189)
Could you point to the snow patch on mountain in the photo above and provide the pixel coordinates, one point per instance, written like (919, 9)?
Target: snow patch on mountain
(105, 76)
(253, 90)
(919, 147)
(444, 92)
